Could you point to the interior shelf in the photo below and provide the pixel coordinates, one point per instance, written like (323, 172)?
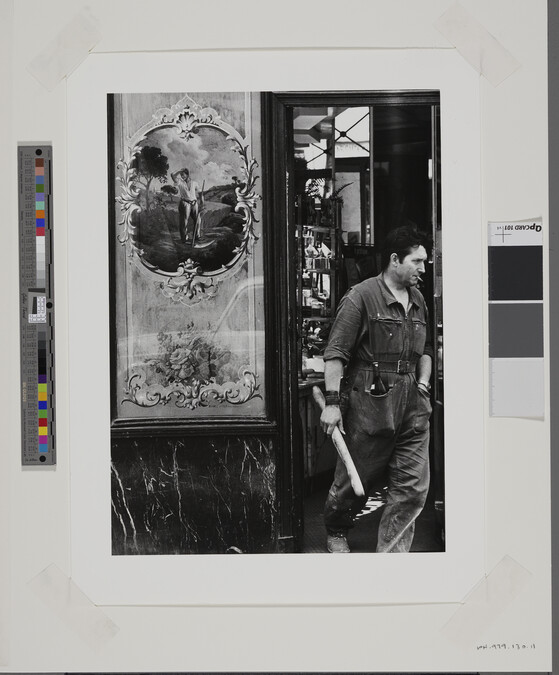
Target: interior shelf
(318, 231)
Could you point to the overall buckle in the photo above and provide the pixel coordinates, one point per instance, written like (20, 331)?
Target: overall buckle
(403, 367)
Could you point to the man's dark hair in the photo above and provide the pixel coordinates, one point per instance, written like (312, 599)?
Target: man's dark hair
(402, 240)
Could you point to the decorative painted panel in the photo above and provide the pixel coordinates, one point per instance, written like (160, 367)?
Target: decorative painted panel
(188, 333)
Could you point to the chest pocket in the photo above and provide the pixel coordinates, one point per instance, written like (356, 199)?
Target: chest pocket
(387, 337)
(419, 336)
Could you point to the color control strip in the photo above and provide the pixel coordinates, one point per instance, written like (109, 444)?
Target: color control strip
(40, 221)
(37, 305)
(516, 322)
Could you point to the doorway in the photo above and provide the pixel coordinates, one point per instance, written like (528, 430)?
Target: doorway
(357, 165)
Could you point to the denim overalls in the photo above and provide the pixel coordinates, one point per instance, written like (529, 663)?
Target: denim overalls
(388, 432)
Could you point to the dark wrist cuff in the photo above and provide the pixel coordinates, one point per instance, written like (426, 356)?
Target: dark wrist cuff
(332, 398)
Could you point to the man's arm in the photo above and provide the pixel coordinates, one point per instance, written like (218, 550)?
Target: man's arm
(333, 372)
(424, 366)
(344, 335)
(331, 415)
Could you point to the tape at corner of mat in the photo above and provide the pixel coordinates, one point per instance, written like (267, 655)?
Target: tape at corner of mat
(486, 602)
(476, 44)
(66, 51)
(70, 603)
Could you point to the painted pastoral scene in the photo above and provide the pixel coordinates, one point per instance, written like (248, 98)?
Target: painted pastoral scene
(188, 190)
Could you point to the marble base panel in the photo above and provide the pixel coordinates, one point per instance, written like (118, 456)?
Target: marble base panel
(193, 495)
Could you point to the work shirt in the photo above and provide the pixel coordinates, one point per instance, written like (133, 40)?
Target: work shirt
(371, 325)
(187, 190)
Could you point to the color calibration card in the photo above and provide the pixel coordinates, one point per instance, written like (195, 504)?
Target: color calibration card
(36, 305)
(516, 334)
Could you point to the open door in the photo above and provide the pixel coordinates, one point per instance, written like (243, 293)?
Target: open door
(346, 168)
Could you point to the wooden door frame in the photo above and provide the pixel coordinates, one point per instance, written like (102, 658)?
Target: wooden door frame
(281, 326)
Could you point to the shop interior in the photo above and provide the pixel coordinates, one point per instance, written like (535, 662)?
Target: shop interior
(358, 171)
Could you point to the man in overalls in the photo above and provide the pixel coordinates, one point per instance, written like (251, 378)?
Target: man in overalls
(384, 321)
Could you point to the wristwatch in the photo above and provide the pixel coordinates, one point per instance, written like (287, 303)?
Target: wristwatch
(426, 385)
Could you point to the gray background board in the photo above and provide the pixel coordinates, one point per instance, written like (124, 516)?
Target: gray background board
(39, 537)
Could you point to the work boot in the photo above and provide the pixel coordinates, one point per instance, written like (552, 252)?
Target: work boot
(337, 543)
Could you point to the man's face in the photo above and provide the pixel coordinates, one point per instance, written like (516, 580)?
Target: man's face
(409, 271)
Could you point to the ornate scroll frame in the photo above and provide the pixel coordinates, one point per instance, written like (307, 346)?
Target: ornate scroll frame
(189, 283)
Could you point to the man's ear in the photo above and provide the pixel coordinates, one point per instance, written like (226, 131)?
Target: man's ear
(394, 258)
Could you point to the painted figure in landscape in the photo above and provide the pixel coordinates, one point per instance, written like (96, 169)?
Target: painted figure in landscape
(189, 193)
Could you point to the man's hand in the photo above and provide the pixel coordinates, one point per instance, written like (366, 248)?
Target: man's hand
(331, 418)
(424, 386)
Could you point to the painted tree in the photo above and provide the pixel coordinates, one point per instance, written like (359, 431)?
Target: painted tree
(169, 190)
(150, 165)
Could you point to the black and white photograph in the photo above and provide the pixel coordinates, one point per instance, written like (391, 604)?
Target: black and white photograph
(276, 327)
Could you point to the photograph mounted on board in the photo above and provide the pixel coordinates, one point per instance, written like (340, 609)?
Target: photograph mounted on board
(276, 322)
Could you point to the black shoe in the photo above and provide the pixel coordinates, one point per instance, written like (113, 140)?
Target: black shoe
(337, 543)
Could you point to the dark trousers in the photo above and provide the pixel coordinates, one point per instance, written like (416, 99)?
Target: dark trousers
(384, 433)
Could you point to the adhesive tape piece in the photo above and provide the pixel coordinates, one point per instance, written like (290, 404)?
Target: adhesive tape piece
(65, 53)
(486, 602)
(62, 595)
(480, 49)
